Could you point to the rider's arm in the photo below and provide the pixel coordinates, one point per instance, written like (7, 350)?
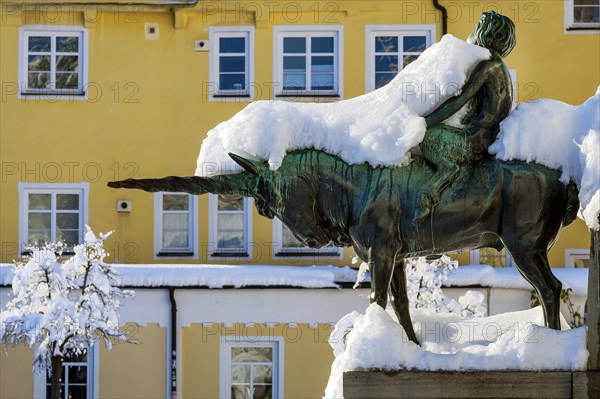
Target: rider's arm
(454, 104)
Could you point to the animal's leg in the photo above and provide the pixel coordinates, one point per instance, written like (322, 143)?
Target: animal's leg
(534, 267)
(400, 300)
(381, 269)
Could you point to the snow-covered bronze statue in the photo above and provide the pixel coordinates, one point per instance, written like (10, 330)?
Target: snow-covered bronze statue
(347, 173)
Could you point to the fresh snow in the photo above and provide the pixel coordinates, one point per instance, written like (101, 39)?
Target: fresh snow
(218, 276)
(509, 341)
(379, 127)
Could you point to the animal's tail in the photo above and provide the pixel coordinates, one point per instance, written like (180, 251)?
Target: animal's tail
(572, 204)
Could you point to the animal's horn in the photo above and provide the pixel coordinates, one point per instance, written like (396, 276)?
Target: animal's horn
(253, 167)
(186, 184)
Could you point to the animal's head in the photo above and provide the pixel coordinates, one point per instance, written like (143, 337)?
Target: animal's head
(289, 195)
(494, 32)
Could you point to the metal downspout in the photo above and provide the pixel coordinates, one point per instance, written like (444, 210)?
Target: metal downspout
(442, 9)
(173, 370)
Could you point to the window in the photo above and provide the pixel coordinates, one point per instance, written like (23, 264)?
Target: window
(229, 226)
(577, 258)
(285, 245)
(79, 377)
(176, 226)
(252, 369)
(390, 48)
(489, 256)
(52, 212)
(231, 66)
(53, 61)
(582, 15)
(308, 61)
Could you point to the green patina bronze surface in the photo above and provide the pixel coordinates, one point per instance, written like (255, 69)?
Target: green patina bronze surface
(460, 196)
(324, 200)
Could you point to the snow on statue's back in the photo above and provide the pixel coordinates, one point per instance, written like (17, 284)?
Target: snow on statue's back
(379, 128)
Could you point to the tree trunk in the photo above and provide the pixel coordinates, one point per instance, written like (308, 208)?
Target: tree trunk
(57, 365)
(593, 303)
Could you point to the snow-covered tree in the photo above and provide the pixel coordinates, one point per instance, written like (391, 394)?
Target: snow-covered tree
(63, 307)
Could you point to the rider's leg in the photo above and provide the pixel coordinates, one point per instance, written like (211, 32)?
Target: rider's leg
(446, 148)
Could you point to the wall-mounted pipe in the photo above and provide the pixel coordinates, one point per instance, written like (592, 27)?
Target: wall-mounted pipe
(442, 9)
(173, 371)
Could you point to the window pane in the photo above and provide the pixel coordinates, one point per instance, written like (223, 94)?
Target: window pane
(67, 63)
(175, 202)
(414, 43)
(67, 221)
(232, 45)
(67, 201)
(289, 241)
(230, 203)
(175, 239)
(386, 63)
(38, 44)
(70, 237)
(176, 221)
(67, 44)
(321, 45)
(38, 63)
(294, 81)
(40, 201)
(322, 82)
(381, 79)
(294, 64)
(586, 14)
(408, 59)
(38, 237)
(262, 392)
(77, 374)
(235, 81)
(231, 240)
(322, 64)
(263, 374)
(583, 263)
(77, 392)
(67, 81)
(39, 220)
(386, 44)
(240, 374)
(251, 354)
(38, 80)
(586, 2)
(233, 221)
(232, 64)
(240, 392)
(294, 45)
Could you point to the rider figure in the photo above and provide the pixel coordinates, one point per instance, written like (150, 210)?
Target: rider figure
(487, 96)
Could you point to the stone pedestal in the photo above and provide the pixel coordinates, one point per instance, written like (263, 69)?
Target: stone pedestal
(494, 384)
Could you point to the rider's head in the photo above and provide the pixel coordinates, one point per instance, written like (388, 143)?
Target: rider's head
(494, 32)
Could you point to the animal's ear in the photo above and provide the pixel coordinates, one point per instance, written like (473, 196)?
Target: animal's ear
(253, 167)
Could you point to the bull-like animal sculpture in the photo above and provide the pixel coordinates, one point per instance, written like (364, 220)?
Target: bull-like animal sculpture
(324, 200)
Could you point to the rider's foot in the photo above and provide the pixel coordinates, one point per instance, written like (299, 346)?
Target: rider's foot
(423, 208)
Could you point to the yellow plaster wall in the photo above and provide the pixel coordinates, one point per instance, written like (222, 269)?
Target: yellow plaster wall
(16, 377)
(148, 109)
(135, 371)
(307, 357)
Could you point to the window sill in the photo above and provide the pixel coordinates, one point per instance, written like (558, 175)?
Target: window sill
(166, 254)
(307, 254)
(308, 95)
(231, 95)
(583, 29)
(230, 255)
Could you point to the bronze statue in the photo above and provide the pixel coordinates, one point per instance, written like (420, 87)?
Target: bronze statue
(489, 203)
(487, 96)
(324, 200)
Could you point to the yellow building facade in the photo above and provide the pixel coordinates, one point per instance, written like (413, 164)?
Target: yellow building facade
(106, 90)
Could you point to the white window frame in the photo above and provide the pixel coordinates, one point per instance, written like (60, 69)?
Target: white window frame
(571, 27)
(371, 31)
(281, 252)
(215, 93)
(191, 252)
(93, 377)
(227, 342)
(50, 188)
(308, 31)
(215, 253)
(53, 94)
(574, 254)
